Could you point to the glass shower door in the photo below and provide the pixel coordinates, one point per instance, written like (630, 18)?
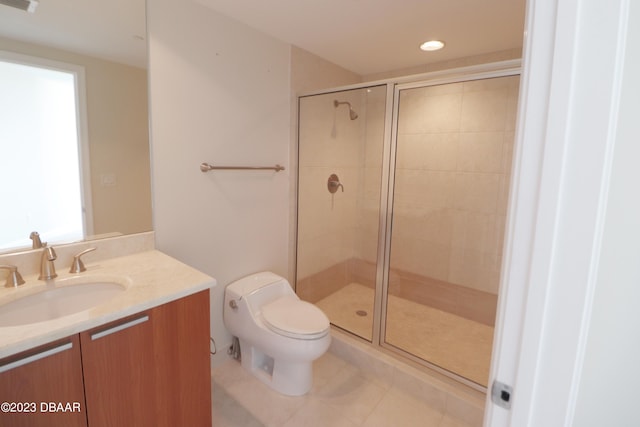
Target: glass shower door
(340, 143)
(453, 149)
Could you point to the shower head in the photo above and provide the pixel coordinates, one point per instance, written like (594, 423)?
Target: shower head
(352, 114)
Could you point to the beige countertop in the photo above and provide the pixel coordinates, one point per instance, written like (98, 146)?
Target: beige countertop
(151, 278)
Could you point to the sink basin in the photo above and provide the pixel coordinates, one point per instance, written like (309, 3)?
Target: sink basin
(54, 302)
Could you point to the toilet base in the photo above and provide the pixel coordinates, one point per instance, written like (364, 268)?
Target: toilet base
(286, 377)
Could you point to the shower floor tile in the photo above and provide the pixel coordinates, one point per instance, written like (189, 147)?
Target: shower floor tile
(451, 342)
(342, 308)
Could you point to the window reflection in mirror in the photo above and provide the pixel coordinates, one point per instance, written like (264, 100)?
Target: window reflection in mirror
(43, 112)
(116, 166)
(108, 40)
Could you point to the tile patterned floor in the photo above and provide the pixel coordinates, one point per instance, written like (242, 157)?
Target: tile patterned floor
(452, 342)
(341, 396)
(342, 306)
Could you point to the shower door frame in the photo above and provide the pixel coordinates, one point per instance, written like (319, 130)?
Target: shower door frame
(393, 88)
(388, 210)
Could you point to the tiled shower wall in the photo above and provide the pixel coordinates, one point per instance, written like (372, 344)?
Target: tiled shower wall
(336, 228)
(454, 149)
(332, 144)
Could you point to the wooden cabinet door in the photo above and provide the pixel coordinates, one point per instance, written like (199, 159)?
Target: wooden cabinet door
(183, 362)
(47, 383)
(151, 369)
(117, 361)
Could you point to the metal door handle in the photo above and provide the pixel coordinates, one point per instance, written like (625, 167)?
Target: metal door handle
(37, 356)
(119, 327)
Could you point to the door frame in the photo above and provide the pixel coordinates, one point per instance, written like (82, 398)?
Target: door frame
(562, 164)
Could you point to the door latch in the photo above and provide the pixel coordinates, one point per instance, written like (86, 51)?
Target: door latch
(501, 394)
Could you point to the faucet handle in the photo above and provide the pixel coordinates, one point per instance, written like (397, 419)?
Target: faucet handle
(77, 266)
(14, 279)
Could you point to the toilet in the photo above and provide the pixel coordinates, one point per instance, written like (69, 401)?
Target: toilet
(280, 335)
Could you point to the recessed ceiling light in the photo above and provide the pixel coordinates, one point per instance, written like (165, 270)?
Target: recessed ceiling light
(432, 45)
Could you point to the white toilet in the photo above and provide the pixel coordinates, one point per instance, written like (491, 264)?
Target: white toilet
(280, 335)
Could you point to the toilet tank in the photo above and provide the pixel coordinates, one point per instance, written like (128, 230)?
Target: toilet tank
(259, 289)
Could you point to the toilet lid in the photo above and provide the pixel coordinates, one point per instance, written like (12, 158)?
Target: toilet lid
(293, 318)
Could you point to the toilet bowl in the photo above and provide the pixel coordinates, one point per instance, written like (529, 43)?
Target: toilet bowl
(279, 335)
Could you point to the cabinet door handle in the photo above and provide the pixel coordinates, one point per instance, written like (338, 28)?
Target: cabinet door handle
(119, 327)
(36, 356)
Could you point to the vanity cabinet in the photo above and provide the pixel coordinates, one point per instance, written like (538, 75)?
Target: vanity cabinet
(32, 380)
(149, 369)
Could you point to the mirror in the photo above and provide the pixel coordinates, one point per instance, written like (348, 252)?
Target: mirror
(108, 40)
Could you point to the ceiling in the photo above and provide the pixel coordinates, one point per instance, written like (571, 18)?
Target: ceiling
(372, 36)
(364, 36)
(109, 29)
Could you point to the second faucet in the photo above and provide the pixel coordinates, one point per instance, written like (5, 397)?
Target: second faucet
(47, 267)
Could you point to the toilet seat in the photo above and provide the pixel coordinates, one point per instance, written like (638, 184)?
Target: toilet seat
(294, 318)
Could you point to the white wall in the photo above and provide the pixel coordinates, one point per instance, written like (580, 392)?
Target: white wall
(219, 94)
(610, 374)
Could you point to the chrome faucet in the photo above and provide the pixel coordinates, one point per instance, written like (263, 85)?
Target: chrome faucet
(47, 268)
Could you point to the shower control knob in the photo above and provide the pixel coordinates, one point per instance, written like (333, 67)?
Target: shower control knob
(333, 183)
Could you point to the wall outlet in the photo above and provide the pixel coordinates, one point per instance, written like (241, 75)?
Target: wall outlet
(108, 180)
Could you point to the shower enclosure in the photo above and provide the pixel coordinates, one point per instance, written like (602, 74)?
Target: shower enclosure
(402, 196)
